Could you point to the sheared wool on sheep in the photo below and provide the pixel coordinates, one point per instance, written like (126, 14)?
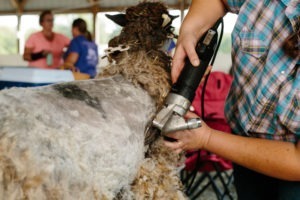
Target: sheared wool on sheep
(85, 139)
(79, 140)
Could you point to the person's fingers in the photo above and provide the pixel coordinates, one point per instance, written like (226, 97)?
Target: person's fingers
(191, 53)
(44, 52)
(173, 145)
(178, 151)
(189, 115)
(177, 63)
(191, 108)
(185, 48)
(177, 135)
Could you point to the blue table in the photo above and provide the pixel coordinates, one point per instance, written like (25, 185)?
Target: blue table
(31, 77)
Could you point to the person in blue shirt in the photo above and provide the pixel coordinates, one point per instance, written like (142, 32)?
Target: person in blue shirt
(82, 54)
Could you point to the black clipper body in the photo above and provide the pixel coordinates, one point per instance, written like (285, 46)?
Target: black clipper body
(170, 117)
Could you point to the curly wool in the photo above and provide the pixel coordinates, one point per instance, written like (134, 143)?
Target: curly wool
(144, 26)
(158, 175)
(85, 139)
(146, 70)
(145, 65)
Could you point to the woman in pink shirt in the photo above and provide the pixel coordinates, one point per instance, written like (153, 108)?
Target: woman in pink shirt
(44, 49)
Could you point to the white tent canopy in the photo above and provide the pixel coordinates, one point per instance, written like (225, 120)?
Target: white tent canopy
(22, 7)
(32, 6)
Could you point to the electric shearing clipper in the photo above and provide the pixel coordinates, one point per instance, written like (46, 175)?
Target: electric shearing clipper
(171, 117)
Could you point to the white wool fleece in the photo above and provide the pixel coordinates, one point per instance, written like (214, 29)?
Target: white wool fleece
(77, 140)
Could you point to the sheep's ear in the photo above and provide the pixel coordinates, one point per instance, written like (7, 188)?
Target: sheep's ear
(168, 19)
(119, 19)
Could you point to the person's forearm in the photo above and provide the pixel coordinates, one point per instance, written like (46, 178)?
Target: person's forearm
(30, 56)
(202, 15)
(71, 59)
(274, 158)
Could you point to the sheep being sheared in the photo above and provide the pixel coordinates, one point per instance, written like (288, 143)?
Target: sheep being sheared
(85, 139)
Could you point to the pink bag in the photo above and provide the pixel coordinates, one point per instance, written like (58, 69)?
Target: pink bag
(216, 91)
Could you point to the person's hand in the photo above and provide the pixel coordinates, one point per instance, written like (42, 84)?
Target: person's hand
(68, 65)
(186, 44)
(189, 139)
(45, 52)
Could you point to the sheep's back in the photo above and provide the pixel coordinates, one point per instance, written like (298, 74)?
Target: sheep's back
(77, 140)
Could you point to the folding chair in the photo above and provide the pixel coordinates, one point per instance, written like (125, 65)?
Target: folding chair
(202, 168)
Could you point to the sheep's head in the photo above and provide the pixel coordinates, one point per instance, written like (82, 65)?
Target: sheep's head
(148, 25)
(137, 53)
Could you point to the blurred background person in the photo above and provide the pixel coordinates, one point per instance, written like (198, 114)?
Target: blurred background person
(82, 54)
(44, 49)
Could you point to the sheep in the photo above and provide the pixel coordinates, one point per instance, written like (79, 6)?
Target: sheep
(86, 139)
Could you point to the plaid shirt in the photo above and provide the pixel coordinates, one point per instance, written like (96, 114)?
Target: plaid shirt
(264, 100)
